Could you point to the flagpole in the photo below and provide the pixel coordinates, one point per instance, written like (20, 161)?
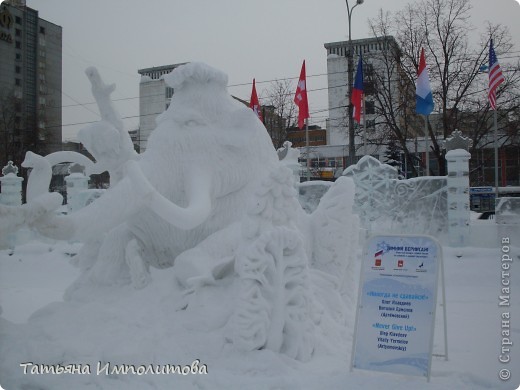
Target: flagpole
(308, 150)
(495, 79)
(364, 127)
(427, 145)
(496, 152)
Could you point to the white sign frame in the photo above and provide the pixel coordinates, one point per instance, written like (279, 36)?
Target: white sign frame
(410, 262)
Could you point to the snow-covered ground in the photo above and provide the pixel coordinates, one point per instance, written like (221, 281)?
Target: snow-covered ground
(201, 270)
(34, 278)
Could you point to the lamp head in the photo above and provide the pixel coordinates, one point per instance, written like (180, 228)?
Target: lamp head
(359, 1)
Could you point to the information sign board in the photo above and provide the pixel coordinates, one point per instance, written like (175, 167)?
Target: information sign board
(396, 306)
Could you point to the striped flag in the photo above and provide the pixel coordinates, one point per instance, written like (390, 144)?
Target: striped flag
(423, 92)
(357, 91)
(495, 76)
(254, 104)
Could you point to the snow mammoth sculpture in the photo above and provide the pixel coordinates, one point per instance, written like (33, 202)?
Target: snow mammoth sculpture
(210, 200)
(194, 178)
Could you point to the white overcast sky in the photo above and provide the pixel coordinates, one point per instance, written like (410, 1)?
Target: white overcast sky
(265, 39)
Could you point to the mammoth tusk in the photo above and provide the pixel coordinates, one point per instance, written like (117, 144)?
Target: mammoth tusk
(198, 192)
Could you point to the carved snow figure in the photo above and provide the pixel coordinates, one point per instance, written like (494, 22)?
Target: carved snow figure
(107, 140)
(195, 178)
(275, 300)
(40, 176)
(210, 200)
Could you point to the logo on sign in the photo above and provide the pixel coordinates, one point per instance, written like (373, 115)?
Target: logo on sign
(400, 263)
(378, 258)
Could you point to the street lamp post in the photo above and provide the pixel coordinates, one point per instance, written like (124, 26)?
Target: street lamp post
(350, 71)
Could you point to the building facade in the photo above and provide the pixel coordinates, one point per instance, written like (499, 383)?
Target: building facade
(30, 83)
(334, 155)
(298, 137)
(373, 51)
(154, 98)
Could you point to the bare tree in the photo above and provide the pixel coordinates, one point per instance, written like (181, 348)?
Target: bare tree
(455, 70)
(393, 92)
(280, 111)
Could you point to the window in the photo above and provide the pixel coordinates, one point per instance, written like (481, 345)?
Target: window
(369, 88)
(18, 82)
(370, 108)
(18, 44)
(371, 124)
(368, 70)
(18, 20)
(42, 30)
(17, 69)
(18, 32)
(18, 56)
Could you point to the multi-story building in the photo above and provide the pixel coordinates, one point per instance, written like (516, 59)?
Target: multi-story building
(373, 51)
(154, 98)
(30, 83)
(334, 155)
(377, 53)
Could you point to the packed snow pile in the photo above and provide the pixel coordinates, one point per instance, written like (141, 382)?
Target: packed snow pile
(198, 254)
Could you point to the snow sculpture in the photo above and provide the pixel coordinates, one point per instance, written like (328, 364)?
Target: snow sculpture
(386, 204)
(107, 140)
(77, 185)
(458, 158)
(289, 157)
(11, 185)
(272, 265)
(13, 218)
(458, 196)
(194, 178)
(210, 200)
(40, 175)
(41, 172)
(285, 262)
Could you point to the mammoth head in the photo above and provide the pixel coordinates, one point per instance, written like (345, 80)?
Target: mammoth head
(202, 160)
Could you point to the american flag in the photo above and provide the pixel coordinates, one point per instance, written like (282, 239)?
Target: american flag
(495, 76)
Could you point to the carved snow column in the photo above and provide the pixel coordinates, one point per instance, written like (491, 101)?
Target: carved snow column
(458, 189)
(11, 185)
(11, 195)
(289, 157)
(77, 182)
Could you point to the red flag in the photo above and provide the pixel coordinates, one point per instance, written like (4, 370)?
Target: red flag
(254, 104)
(301, 98)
